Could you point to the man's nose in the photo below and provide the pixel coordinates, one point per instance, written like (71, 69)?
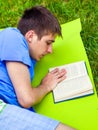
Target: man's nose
(49, 49)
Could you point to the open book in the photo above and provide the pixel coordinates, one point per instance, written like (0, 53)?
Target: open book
(76, 84)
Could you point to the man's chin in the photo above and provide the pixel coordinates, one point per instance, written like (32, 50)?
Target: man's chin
(38, 59)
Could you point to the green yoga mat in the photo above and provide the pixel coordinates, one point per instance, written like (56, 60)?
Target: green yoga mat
(81, 113)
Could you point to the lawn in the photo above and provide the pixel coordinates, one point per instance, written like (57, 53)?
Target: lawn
(64, 10)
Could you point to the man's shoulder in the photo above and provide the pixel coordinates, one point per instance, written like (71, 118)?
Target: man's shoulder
(11, 29)
(10, 33)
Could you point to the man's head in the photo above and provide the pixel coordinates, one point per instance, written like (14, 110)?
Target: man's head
(40, 27)
(39, 19)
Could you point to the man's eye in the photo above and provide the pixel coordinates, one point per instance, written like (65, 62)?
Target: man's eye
(48, 43)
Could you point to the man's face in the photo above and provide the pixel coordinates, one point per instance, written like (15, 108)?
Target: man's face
(40, 47)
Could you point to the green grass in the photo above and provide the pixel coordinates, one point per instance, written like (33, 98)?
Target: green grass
(65, 10)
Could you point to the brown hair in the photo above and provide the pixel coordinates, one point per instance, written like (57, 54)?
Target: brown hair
(39, 19)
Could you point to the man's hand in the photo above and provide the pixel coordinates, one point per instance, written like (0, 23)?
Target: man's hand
(53, 78)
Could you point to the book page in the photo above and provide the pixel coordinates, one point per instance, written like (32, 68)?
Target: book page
(73, 70)
(73, 88)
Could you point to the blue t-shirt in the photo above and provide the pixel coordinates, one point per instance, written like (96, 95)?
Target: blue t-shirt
(13, 47)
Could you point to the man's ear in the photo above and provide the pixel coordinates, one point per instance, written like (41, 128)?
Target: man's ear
(29, 35)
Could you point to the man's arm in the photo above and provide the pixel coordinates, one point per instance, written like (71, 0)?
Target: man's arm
(26, 95)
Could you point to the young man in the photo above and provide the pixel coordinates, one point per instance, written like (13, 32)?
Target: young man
(20, 48)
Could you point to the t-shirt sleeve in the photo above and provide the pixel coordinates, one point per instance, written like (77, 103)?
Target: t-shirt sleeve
(14, 47)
